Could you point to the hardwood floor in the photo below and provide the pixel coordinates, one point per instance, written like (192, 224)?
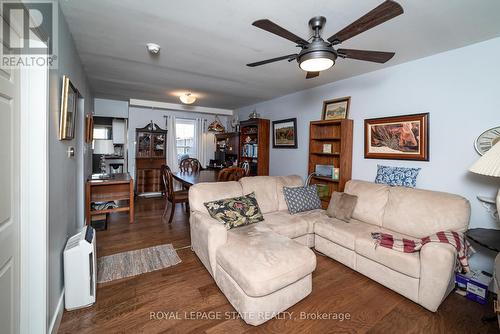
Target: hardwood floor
(127, 305)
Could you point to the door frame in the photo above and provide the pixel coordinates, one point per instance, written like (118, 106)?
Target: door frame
(34, 195)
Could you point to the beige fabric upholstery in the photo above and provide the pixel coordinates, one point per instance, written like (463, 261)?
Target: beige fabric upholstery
(420, 213)
(339, 253)
(257, 310)
(436, 272)
(394, 280)
(405, 263)
(372, 199)
(266, 191)
(206, 192)
(343, 233)
(293, 226)
(207, 235)
(306, 240)
(261, 261)
(286, 181)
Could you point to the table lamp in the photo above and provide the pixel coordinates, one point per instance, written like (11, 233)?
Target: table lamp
(103, 147)
(489, 164)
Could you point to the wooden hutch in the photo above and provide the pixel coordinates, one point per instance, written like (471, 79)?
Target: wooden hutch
(227, 148)
(254, 145)
(330, 143)
(150, 154)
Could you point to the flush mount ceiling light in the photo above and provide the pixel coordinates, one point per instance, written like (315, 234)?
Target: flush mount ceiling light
(153, 48)
(318, 54)
(187, 98)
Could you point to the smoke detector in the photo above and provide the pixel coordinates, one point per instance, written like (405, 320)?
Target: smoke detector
(153, 48)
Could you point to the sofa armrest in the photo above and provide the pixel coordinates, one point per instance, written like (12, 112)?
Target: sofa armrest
(207, 235)
(437, 267)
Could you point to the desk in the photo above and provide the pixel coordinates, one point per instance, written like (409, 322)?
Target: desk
(120, 188)
(188, 179)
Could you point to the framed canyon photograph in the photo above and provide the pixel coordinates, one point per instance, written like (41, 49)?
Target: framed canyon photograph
(399, 137)
(336, 109)
(285, 133)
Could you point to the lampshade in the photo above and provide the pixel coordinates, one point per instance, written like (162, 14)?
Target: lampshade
(103, 146)
(317, 61)
(187, 98)
(489, 163)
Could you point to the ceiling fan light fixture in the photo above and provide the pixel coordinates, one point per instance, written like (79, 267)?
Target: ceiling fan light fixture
(187, 98)
(317, 61)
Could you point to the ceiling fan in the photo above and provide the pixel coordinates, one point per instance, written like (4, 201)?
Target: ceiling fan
(318, 54)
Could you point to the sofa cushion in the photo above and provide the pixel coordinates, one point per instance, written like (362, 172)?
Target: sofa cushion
(286, 181)
(343, 233)
(265, 188)
(341, 206)
(293, 226)
(236, 211)
(405, 263)
(205, 192)
(302, 199)
(420, 213)
(372, 199)
(261, 261)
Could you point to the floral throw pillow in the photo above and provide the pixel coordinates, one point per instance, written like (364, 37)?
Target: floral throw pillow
(236, 211)
(397, 176)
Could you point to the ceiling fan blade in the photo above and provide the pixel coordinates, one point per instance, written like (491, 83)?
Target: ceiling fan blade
(262, 62)
(310, 75)
(384, 12)
(273, 28)
(375, 56)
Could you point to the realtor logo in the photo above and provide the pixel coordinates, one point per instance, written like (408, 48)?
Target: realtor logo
(29, 32)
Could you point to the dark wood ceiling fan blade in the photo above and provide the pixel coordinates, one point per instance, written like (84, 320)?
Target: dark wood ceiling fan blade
(375, 56)
(267, 61)
(384, 12)
(273, 28)
(310, 75)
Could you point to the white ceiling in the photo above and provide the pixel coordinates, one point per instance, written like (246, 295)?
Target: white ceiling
(206, 44)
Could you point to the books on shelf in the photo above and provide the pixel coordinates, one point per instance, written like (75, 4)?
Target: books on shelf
(250, 150)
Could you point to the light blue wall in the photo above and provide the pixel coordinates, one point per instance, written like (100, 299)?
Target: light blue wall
(66, 175)
(460, 90)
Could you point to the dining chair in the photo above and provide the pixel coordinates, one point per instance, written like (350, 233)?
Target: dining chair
(190, 165)
(172, 196)
(231, 174)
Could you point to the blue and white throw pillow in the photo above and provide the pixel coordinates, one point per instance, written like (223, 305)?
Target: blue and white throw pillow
(397, 176)
(300, 199)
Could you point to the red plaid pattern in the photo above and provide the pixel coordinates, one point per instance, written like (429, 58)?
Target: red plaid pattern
(457, 240)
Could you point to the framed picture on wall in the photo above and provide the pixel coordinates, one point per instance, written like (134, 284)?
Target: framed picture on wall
(399, 137)
(336, 108)
(285, 133)
(69, 101)
(89, 129)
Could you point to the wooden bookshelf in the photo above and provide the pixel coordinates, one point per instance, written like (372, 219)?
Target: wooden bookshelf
(338, 134)
(254, 133)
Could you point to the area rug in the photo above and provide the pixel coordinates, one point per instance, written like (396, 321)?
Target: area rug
(136, 262)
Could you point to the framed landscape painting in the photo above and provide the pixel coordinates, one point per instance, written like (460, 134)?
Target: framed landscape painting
(285, 133)
(336, 109)
(400, 137)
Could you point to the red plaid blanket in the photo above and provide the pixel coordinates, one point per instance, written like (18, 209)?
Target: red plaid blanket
(457, 240)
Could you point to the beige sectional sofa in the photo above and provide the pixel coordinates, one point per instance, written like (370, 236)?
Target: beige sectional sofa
(267, 267)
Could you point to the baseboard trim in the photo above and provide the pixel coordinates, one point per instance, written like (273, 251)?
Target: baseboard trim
(56, 319)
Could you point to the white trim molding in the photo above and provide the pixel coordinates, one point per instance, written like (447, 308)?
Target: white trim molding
(180, 107)
(34, 153)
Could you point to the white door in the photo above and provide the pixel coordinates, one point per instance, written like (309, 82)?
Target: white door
(9, 199)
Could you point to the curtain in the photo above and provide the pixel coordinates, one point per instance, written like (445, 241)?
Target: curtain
(201, 141)
(171, 145)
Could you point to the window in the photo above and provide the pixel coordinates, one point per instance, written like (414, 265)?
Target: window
(185, 131)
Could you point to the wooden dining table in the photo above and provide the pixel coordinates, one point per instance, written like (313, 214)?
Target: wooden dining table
(188, 179)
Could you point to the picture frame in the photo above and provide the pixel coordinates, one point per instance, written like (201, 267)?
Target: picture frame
(404, 137)
(69, 105)
(285, 133)
(89, 129)
(336, 108)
